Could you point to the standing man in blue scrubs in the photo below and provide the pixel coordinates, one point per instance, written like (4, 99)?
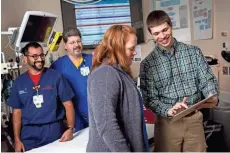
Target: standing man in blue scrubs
(75, 66)
(37, 98)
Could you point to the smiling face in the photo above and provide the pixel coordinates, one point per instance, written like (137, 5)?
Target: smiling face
(35, 58)
(162, 34)
(130, 47)
(74, 46)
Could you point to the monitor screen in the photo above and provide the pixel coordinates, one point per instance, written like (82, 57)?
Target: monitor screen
(94, 19)
(36, 26)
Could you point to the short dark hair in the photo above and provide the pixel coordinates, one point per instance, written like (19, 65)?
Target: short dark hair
(156, 18)
(70, 32)
(24, 50)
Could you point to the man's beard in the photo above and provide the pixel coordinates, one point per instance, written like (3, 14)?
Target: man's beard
(37, 68)
(75, 53)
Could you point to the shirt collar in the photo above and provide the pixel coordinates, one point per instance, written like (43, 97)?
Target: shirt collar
(173, 48)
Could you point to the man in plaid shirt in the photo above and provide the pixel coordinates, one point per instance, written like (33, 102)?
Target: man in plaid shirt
(173, 77)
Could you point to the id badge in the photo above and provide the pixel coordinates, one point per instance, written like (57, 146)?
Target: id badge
(38, 100)
(84, 71)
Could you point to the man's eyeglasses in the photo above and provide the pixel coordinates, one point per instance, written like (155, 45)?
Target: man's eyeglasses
(35, 56)
(73, 42)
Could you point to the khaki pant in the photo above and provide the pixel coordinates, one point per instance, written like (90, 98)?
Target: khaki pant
(184, 135)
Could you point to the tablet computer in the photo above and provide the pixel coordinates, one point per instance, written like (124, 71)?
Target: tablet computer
(190, 109)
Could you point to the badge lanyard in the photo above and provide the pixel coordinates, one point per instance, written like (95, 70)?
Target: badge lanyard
(84, 70)
(37, 99)
(36, 88)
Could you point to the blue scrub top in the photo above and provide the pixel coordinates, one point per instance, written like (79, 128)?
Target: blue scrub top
(55, 90)
(78, 83)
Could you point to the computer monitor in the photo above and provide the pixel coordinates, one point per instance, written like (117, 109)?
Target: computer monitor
(94, 17)
(36, 26)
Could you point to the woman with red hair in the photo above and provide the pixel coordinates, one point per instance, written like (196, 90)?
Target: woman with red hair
(116, 122)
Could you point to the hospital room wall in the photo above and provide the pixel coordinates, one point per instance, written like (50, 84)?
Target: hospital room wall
(12, 13)
(221, 23)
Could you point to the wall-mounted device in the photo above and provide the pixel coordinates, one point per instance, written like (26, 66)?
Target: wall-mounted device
(36, 26)
(94, 17)
(55, 41)
(211, 60)
(225, 53)
(4, 119)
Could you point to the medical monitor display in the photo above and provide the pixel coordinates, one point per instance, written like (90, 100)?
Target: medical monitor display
(36, 26)
(38, 29)
(94, 17)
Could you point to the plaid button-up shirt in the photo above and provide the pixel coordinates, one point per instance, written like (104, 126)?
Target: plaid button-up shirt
(166, 78)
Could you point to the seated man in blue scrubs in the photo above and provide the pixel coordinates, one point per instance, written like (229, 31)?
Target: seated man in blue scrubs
(75, 67)
(37, 98)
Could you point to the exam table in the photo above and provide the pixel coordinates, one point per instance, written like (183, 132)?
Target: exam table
(78, 143)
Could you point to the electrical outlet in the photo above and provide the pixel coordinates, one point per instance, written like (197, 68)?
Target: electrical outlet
(225, 70)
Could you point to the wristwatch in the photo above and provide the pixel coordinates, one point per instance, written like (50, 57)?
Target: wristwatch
(71, 128)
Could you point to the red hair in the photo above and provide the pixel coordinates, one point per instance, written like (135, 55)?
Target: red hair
(112, 47)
